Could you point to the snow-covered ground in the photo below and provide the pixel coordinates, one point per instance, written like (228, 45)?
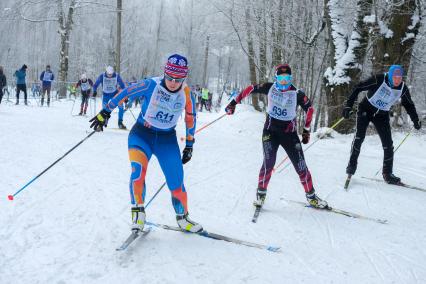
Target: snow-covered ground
(64, 227)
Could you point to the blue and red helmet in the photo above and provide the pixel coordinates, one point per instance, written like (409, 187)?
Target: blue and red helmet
(395, 70)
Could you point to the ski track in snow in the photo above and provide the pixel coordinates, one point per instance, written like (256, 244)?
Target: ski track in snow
(65, 227)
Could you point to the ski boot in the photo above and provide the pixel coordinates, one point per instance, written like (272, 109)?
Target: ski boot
(315, 201)
(187, 224)
(260, 197)
(80, 113)
(138, 218)
(391, 179)
(121, 125)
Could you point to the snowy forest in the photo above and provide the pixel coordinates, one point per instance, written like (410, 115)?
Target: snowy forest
(331, 45)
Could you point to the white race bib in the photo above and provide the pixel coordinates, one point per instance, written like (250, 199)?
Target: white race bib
(282, 105)
(385, 97)
(164, 108)
(109, 85)
(47, 77)
(85, 86)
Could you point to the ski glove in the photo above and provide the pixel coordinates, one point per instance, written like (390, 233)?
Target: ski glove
(417, 124)
(305, 136)
(186, 154)
(100, 120)
(95, 93)
(347, 111)
(230, 108)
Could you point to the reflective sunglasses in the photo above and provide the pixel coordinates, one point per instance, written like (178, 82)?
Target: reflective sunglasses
(284, 78)
(177, 80)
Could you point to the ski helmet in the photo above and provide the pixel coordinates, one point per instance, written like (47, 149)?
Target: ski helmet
(282, 69)
(395, 70)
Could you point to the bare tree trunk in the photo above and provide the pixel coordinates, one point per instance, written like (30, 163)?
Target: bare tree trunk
(396, 46)
(65, 27)
(277, 34)
(118, 47)
(262, 35)
(206, 60)
(340, 79)
(252, 63)
(157, 42)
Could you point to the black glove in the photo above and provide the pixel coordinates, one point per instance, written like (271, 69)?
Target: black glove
(186, 154)
(95, 93)
(100, 120)
(305, 136)
(417, 124)
(347, 111)
(230, 108)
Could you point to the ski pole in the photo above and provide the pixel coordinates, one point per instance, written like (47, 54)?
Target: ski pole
(11, 197)
(182, 138)
(325, 134)
(403, 140)
(158, 191)
(72, 106)
(132, 114)
(208, 124)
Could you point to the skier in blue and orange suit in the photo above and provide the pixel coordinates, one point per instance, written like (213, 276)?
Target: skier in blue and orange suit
(111, 84)
(163, 100)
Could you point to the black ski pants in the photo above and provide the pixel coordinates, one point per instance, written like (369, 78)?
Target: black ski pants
(19, 88)
(271, 140)
(381, 122)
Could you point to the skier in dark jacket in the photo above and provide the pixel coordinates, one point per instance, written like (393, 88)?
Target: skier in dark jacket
(21, 83)
(46, 77)
(3, 82)
(281, 129)
(383, 91)
(85, 85)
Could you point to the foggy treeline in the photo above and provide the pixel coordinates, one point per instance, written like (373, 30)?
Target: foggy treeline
(330, 44)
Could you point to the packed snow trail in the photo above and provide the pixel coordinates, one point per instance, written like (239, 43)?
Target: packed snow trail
(65, 227)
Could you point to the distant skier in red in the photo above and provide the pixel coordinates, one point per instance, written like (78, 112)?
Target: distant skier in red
(281, 129)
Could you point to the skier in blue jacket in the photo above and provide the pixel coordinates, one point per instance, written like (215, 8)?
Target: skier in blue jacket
(21, 84)
(46, 77)
(163, 101)
(111, 83)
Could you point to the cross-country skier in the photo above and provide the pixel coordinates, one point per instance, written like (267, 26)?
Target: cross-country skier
(85, 85)
(3, 82)
(21, 84)
(111, 82)
(46, 77)
(204, 99)
(163, 100)
(281, 129)
(383, 91)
